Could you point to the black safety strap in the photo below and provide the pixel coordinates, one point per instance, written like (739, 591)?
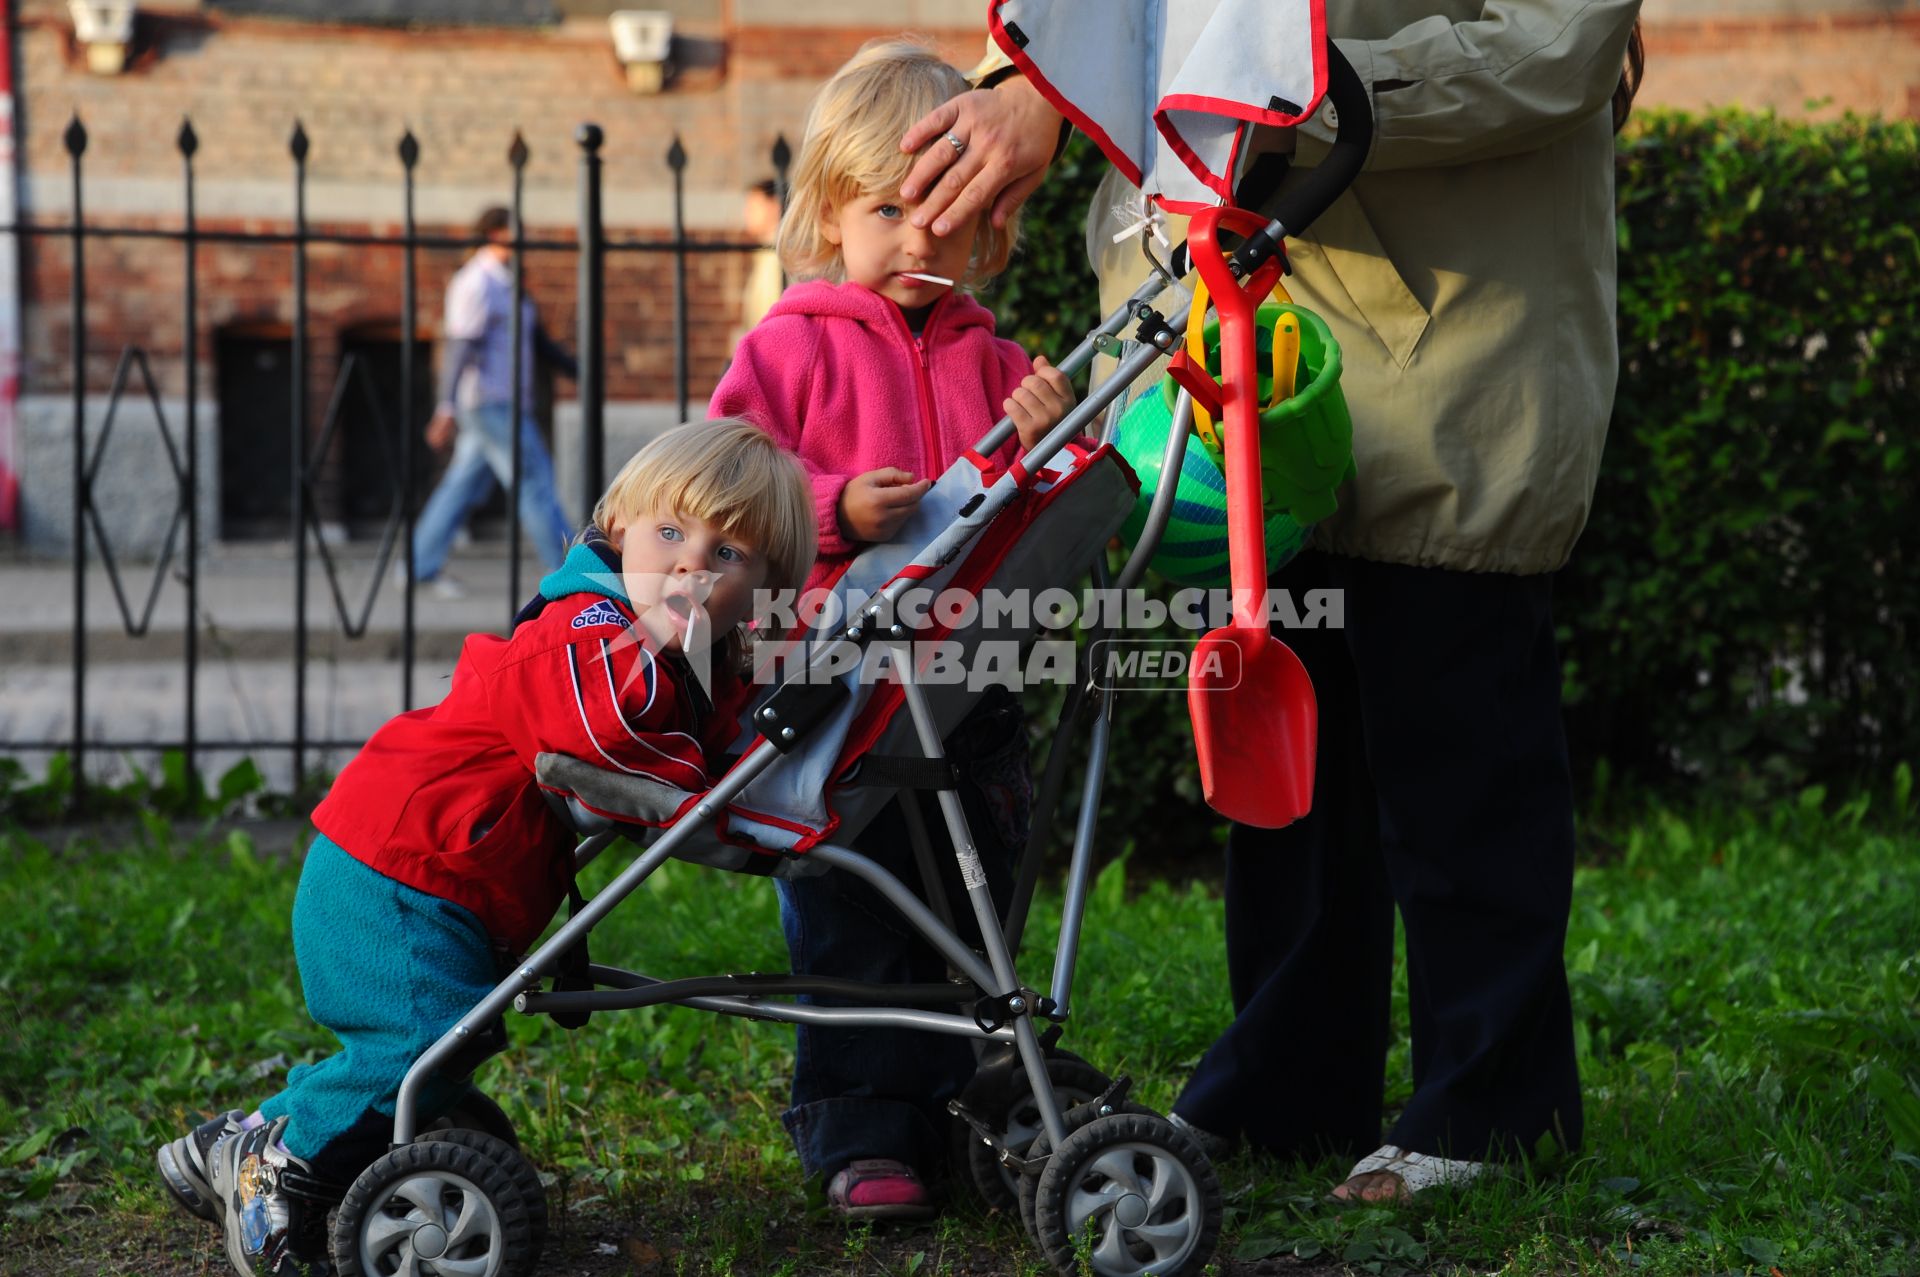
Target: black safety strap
(903, 771)
(295, 1182)
(761, 864)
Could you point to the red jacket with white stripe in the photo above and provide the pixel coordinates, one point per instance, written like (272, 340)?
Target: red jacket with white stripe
(444, 799)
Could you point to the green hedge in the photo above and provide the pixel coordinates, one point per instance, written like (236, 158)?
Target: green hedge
(1742, 608)
(1743, 605)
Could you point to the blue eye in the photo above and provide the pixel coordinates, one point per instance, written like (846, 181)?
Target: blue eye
(890, 212)
(670, 533)
(731, 555)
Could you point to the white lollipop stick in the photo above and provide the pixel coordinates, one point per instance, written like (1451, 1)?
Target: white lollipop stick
(931, 279)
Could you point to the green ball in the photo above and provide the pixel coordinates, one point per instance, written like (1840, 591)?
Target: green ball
(1193, 550)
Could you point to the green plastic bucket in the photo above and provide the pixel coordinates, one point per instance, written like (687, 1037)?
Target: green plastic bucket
(1306, 452)
(1306, 441)
(1193, 549)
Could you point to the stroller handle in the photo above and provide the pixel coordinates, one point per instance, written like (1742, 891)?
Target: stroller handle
(1297, 211)
(1299, 207)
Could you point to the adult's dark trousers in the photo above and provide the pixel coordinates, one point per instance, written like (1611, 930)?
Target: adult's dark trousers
(1442, 788)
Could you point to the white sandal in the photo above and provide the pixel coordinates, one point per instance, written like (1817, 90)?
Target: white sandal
(1378, 1160)
(1423, 1170)
(1415, 1171)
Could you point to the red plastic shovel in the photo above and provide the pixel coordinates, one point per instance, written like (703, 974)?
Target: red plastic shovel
(1255, 720)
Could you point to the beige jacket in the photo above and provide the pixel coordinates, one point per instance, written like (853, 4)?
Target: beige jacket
(1468, 275)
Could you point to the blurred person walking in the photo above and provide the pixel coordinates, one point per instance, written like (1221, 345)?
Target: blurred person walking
(765, 280)
(475, 413)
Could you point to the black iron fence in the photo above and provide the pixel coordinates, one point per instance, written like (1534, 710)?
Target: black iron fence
(395, 429)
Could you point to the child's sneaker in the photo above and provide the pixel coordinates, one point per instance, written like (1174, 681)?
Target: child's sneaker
(878, 1188)
(183, 1165)
(276, 1208)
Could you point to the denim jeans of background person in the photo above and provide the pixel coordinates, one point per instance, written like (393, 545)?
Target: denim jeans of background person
(483, 458)
(475, 412)
(1468, 276)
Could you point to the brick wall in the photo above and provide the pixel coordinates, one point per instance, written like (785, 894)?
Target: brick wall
(462, 94)
(135, 297)
(1867, 62)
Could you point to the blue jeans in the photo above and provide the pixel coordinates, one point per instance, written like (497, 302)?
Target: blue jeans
(482, 454)
(876, 1092)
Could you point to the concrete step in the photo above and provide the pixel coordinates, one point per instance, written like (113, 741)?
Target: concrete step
(242, 709)
(246, 608)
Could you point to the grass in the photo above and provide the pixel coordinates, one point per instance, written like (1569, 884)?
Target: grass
(1746, 985)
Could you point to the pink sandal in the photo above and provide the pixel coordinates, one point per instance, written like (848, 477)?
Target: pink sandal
(878, 1188)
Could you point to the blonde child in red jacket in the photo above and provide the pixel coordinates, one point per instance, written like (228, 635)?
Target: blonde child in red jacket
(436, 857)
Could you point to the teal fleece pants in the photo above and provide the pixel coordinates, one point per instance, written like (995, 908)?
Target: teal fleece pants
(388, 970)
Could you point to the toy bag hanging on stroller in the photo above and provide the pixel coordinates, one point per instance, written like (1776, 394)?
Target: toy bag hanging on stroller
(823, 749)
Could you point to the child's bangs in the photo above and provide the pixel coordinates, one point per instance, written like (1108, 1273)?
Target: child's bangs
(876, 179)
(722, 495)
(738, 491)
(728, 474)
(887, 88)
(866, 159)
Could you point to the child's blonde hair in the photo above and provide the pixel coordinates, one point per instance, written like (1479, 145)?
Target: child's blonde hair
(851, 150)
(731, 474)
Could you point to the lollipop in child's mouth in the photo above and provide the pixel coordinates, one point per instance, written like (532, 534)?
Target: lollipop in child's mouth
(686, 614)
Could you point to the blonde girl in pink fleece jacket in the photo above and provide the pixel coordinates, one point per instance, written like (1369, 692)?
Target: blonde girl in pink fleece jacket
(875, 377)
(878, 379)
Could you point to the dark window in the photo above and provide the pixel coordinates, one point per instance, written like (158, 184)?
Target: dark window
(370, 465)
(255, 372)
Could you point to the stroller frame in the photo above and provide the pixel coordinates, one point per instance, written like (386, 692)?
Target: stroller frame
(1013, 1007)
(996, 975)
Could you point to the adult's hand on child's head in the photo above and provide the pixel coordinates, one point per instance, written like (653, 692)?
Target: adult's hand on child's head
(874, 505)
(1008, 134)
(1039, 402)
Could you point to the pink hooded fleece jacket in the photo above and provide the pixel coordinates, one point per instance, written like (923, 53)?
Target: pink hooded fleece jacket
(834, 373)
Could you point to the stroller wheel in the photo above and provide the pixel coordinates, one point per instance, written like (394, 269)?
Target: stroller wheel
(451, 1202)
(1131, 1192)
(507, 1156)
(1017, 1120)
(476, 1111)
(1041, 1146)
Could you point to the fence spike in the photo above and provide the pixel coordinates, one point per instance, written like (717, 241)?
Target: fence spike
(517, 153)
(75, 137)
(188, 140)
(589, 136)
(782, 153)
(297, 144)
(409, 149)
(676, 155)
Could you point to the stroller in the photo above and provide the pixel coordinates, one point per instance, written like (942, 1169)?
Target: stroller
(822, 752)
